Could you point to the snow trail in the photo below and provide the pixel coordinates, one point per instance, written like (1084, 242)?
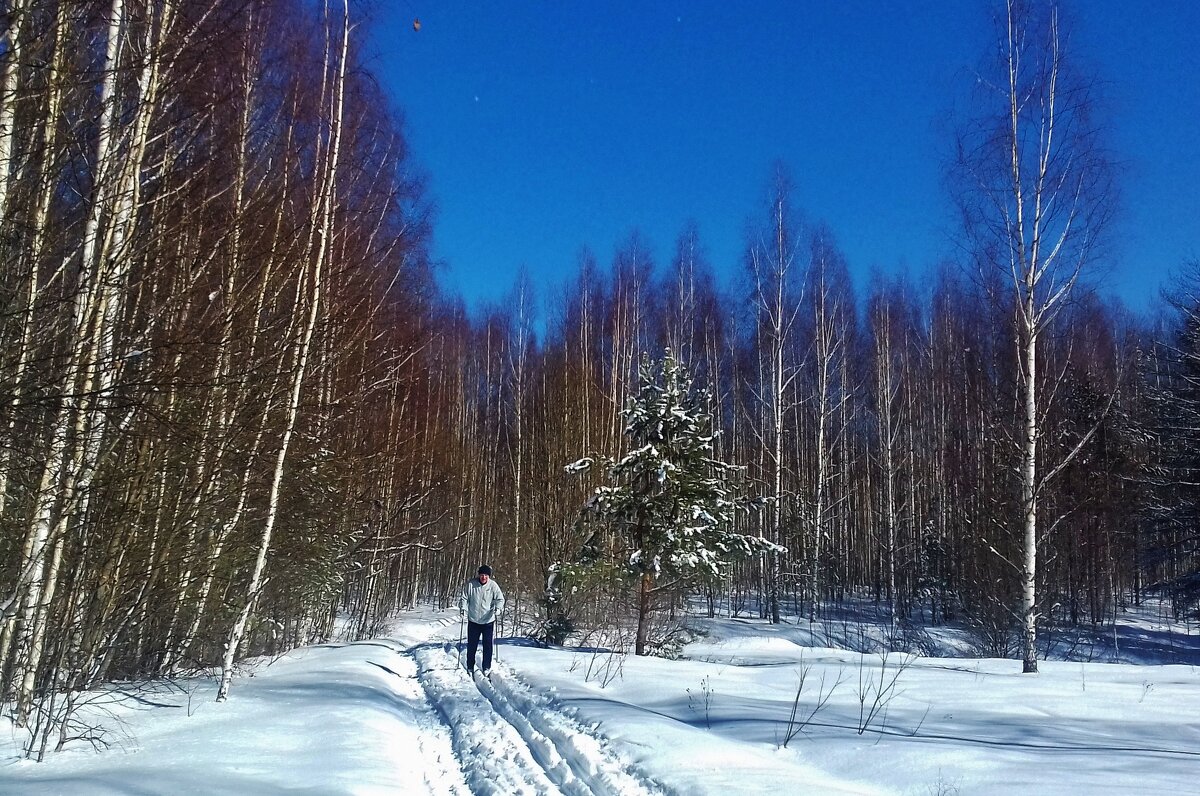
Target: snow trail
(538, 722)
(494, 758)
(508, 740)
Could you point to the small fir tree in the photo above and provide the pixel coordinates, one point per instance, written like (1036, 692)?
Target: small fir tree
(669, 507)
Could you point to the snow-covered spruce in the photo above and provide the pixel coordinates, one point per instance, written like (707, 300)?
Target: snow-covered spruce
(670, 505)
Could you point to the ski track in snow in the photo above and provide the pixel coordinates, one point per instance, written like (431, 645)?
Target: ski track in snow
(510, 741)
(434, 743)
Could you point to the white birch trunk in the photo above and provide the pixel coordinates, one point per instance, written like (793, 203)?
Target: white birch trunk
(32, 258)
(221, 413)
(114, 261)
(772, 265)
(885, 394)
(1029, 616)
(10, 76)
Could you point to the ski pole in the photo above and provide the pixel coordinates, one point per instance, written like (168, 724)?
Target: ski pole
(499, 633)
(462, 620)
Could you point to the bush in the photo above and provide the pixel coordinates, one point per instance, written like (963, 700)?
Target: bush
(555, 630)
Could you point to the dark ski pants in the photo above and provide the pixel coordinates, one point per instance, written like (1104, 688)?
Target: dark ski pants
(474, 633)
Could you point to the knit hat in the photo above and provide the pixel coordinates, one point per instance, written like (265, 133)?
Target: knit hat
(485, 570)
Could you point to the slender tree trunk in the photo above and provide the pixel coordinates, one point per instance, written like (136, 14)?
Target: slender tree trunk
(645, 589)
(1029, 484)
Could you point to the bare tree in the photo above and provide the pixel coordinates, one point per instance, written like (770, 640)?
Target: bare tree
(829, 395)
(1035, 192)
(885, 317)
(520, 362)
(777, 292)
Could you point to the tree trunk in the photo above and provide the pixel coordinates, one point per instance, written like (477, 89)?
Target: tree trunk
(645, 587)
(1029, 617)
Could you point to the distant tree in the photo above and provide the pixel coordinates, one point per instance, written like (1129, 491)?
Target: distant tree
(888, 320)
(521, 360)
(668, 510)
(777, 290)
(827, 394)
(690, 304)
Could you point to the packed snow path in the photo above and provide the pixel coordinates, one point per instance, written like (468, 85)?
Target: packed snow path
(511, 741)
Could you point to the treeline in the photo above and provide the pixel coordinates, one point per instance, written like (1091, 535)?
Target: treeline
(238, 415)
(887, 427)
(884, 426)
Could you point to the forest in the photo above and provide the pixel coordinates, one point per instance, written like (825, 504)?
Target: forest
(239, 411)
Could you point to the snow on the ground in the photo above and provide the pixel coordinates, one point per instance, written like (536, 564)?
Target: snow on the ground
(349, 718)
(965, 726)
(510, 741)
(400, 715)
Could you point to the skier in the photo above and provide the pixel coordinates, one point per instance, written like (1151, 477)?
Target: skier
(481, 601)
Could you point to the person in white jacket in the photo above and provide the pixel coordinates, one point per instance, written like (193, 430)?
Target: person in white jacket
(482, 601)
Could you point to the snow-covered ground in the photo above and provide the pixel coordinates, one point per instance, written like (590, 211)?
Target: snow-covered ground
(398, 715)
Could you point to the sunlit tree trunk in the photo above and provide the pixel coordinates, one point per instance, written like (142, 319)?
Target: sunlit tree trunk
(885, 398)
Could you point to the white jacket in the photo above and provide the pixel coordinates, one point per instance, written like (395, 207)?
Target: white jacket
(483, 603)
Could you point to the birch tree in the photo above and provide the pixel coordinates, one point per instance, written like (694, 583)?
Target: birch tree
(520, 364)
(777, 293)
(1171, 374)
(885, 319)
(81, 424)
(1035, 193)
(832, 319)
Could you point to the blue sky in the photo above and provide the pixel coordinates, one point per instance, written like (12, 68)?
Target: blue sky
(547, 126)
